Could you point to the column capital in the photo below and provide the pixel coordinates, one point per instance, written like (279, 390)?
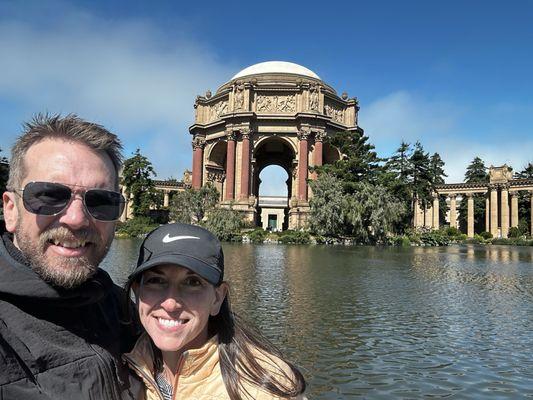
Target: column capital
(469, 195)
(304, 133)
(513, 194)
(231, 134)
(320, 136)
(246, 133)
(198, 142)
(452, 195)
(504, 186)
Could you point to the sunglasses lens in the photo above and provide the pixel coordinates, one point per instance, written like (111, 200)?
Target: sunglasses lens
(45, 198)
(104, 205)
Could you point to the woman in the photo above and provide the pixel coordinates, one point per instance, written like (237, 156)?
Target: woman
(193, 346)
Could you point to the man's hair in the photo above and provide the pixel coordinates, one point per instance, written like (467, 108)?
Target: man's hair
(70, 128)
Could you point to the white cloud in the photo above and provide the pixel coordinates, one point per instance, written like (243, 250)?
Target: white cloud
(443, 127)
(126, 75)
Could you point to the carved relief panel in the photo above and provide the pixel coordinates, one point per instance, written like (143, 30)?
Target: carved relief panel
(217, 109)
(335, 111)
(276, 103)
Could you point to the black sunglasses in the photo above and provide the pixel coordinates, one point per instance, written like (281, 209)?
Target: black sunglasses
(48, 198)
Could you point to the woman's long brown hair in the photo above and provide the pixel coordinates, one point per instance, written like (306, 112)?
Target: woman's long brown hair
(247, 358)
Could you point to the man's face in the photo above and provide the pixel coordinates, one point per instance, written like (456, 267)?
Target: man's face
(65, 249)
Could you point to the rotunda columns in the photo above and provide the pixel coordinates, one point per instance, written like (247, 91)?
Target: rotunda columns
(230, 166)
(166, 198)
(435, 211)
(487, 212)
(303, 165)
(470, 216)
(453, 210)
(319, 138)
(245, 169)
(514, 209)
(198, 145)
(505, 211)
(494, 211)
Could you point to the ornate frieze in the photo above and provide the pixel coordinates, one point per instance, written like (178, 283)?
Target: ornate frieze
(276, 104)
(217, 109)
(216, 175)
(335, 112)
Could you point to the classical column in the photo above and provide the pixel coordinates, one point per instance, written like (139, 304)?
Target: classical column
(470, 223)
(505, 211)
(436, 211)
(416, 214)
(428, 216)
(453, 211)
(494, 211)
(230, 166)
(245, 168)
(514, 209)
(303, 165)
(319, 138)
(166, 198)
(198, 145)
(487, 212)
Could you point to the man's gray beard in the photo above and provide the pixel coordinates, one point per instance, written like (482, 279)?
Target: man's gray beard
(73, 271)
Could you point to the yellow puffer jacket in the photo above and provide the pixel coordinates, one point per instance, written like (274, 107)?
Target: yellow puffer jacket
(199, 376)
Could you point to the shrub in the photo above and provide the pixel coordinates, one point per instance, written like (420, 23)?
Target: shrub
(486, 235)
(514, 232)
(257, 236)
(402, 241)
(452, 231)
(294, 237)
(136, 227)
(434, 238)
(225, 223)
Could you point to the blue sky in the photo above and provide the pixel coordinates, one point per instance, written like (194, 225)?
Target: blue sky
(456, 75)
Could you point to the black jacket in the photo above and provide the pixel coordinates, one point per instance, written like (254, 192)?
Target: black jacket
(60, 344)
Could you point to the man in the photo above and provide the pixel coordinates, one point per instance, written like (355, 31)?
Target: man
(61, 334)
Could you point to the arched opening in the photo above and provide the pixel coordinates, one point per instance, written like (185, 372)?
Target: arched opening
(272, 182)
(216, 166)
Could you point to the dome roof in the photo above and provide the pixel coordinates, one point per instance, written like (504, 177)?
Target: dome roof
(276, 67)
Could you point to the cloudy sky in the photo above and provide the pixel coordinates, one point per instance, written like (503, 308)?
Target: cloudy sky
(455, 75)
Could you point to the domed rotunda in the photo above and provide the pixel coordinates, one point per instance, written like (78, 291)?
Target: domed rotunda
(271, 113)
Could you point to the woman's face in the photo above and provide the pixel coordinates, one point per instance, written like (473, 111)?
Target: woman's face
(174, 306)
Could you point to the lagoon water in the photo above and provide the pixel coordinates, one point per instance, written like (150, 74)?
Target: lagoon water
(381, 323)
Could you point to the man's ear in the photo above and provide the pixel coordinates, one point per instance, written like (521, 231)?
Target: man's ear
(10, 211)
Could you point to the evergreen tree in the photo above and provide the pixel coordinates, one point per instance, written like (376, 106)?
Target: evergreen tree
(359, 162)
(422, 179)
(524, 201)
(139, 186)
(437, 176)
(476, 172)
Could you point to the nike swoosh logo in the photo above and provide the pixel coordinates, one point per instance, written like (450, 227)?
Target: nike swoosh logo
(168, 238)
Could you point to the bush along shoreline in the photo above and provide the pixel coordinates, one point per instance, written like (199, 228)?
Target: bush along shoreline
(140, 226)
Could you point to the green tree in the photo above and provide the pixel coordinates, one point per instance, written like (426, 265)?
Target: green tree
(224, 223)
(524, 201)
(397, 177)
(372, 213)
(422, 178)
(476, 172)
(436, 166)
(192, 205)
(328, 205)
(139, 186)
(359, 162)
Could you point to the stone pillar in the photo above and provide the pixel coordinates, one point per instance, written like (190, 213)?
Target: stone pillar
(470, 216)
(416, 214)
(428, 216)
(319, 138)
(505, 211)
(514, 209)
(453, 211)
(230, 166)
(245, 169)
(303, 165)
(198, 145)
(494, 211)
(166, 198)
(487, 212)
(436, 211)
